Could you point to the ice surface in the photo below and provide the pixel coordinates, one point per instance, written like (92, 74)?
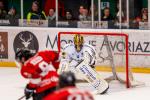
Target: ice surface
(12, 87)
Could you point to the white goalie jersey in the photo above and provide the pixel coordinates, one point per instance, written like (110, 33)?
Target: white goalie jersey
(87, 53)
(70, 57)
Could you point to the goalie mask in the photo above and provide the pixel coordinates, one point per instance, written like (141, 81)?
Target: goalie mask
(78, 42)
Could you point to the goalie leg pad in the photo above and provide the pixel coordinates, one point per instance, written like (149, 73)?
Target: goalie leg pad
(92, 77)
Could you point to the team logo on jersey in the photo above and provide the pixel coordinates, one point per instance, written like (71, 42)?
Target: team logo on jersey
(26, 39)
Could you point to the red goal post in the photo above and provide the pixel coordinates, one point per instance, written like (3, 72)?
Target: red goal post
(106, 36)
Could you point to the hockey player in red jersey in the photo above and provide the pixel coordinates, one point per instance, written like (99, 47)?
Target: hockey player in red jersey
(40, 69)
(68, 90)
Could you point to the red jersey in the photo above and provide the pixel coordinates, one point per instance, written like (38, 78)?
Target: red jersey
(69, 93)
(41, 70)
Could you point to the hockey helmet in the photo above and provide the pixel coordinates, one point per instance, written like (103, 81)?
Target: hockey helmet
(67, 79)
(78, 41)
(23, 55)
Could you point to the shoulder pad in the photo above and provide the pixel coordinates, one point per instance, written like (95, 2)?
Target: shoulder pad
(89, 46)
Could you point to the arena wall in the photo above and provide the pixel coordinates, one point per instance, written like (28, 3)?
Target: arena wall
(37, 39)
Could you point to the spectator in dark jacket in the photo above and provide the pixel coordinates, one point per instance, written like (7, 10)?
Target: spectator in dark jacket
(13, 17)
(69, 16)
(106, 15)
(3, 12)
(35, 12)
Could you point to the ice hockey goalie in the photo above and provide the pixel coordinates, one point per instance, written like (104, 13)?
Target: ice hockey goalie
(79, 57)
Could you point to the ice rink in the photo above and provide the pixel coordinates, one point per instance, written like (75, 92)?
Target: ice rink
(12, 87)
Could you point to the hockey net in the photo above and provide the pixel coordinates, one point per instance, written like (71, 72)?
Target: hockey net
(111, 53)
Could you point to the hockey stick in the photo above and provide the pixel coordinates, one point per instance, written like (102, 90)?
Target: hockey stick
(17, 64)
(21, 97)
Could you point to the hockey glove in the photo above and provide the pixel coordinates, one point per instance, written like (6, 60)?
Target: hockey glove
(28, 92)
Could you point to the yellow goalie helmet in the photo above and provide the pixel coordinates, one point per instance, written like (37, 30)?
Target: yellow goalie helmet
(78, 41)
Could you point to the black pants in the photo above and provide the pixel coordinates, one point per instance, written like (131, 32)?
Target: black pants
(40, 96)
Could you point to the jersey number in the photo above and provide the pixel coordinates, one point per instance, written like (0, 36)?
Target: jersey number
(44, 66)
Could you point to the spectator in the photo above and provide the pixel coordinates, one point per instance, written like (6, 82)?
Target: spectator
(35, 12)
(144, 15)
(3, 12)
(81, 8)
(51, 15)
(123, 19)
(83, 16)
(106, 15)
(51, 18)
(73, 5)
(68, 15)
(12, 16)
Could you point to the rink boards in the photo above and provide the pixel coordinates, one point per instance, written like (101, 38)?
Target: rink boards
(37, 39)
